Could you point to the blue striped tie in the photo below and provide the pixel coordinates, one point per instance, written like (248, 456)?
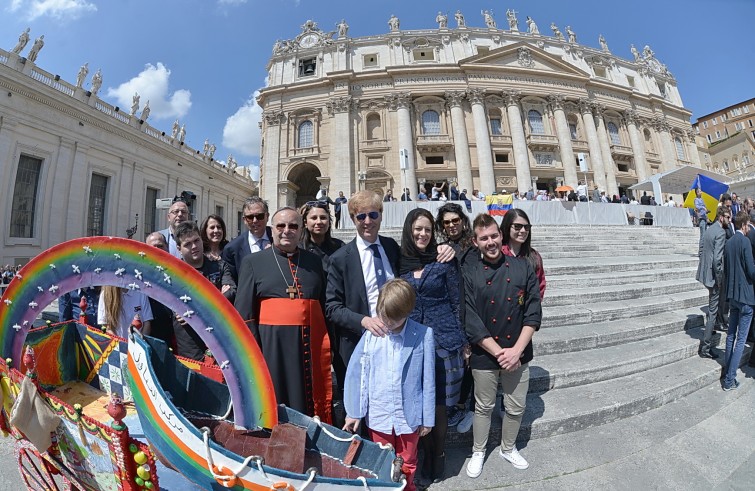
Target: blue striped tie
(378, 262)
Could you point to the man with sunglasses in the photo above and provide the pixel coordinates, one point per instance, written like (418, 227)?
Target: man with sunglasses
(255, 215)
(178, 213)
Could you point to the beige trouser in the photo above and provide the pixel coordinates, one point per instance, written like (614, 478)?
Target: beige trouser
(515, 386)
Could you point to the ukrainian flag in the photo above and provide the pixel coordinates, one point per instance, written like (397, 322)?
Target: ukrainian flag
(499, 204)
(710, 191)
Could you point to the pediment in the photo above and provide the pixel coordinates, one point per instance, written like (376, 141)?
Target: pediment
(522, 56)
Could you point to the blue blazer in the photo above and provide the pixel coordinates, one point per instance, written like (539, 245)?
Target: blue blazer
(740, 270)
(237, 249)
(417, 377)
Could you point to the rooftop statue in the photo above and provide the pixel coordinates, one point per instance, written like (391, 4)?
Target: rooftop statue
(145, 112)
(603, 44)
(532, 27)
(394, 23)
(23, 39)
(489, 20)
(460, 22)
(571, 34)
(343, 28)
(135, 104)
(35, 49)
(96, 81)
(556, 32)
(513, 22)
(82, 75)
(442, 20)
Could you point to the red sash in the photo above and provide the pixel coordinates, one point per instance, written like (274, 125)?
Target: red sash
(306, 312)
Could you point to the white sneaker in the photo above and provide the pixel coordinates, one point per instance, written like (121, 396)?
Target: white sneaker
(466, 423)
(514, 457)
(474, 467)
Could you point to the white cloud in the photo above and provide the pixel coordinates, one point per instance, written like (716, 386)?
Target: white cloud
(57, 9)
(152, 85)
(241, 133)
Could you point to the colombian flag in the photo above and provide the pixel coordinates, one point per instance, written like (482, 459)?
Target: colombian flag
(499, 204)
(710, 191)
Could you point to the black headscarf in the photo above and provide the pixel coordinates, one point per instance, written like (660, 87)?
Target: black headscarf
(412, 259)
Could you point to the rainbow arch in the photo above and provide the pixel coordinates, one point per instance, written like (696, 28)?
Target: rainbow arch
(98, 261)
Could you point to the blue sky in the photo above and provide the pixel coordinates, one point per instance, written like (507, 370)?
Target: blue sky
(200, 61)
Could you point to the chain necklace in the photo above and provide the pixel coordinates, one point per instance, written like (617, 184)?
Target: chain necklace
(290, 289)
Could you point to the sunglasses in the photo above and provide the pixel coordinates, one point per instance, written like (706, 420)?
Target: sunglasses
(291, 226)
(319, 204)
(362, 216)
(455, 221)
(520, 226)
(255, 216)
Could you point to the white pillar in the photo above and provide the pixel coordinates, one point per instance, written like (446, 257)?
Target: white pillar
(693, 156)
(402, 102)
(605, 149)
(461, 140)
(482, 138)
(638, 147)
(668, 153)
(341, 168)
(518, 140)
(271, 165)
(564, 141)
(596, 159)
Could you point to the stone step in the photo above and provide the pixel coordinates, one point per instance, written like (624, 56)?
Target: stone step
(563, 315)
(595, 266)
(579, 337)
(588, 280)
(611, 252)
(591, 295)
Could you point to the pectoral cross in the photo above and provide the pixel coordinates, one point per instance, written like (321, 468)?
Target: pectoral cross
(291, 290)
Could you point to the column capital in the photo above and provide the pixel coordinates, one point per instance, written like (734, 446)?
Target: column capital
(585, 106)
(691, 135)
(660, 123)
(556, 101)
(476, 96)
(399, 100)
(341, 104)
(512, 97)
(454, 97)
(599, 109)
(274, 118)
(632, 116)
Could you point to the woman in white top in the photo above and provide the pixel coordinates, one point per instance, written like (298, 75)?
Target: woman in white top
(117, 307)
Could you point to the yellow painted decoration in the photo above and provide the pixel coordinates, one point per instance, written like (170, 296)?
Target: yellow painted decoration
(140, 458)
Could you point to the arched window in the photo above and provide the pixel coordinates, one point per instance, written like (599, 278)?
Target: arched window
(373, 127)
(613, 132)
(430, 123)
(572, 122)
(535, 120)
(306, 134)
(679, 148)
(494, 116)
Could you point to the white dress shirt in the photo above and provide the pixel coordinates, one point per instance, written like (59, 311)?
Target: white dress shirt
(368, 271)
(255, 244)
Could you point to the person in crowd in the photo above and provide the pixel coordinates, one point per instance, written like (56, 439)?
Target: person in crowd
(69, 305)
(421, 196)
(392, 383)
(388, 196)
(517, 242)
(701, 214)
(735, 206)
(337, 207)
(645, 199)
(117, 307)
(177, 214)
(280, 295)
(634, 201)
(502, 312)
(624, 199)
(442, 196)
(452, 227)
(214, 236)
(725, 200)
(189, 344)
(162, 316)
(255, 214)
(475, 195)
(740, 276)
(436, 189)
(317, 237)
(710, 272)
(407, 195)
(453, 192)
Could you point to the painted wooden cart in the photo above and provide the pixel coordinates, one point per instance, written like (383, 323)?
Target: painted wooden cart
(89, 411)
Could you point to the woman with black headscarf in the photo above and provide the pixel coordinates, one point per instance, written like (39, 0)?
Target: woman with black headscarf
(437, 306)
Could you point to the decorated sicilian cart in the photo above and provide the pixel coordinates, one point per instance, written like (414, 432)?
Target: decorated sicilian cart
(88, 410)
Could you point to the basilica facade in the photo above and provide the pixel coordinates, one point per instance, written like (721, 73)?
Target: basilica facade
(486, 107)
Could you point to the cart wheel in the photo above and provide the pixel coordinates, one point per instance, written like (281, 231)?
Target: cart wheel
(37, 472)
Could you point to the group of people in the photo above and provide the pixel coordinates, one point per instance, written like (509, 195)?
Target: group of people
(7, 273)
(727, 269)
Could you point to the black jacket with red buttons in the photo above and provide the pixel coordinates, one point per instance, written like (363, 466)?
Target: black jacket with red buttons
(499, 299)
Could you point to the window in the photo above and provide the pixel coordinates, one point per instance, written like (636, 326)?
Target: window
(150, 211)
(495, 126)
(662, 89)
(679, 148)
(23, 212)
(501, 158)
(370, 60)
(373, 127)
(306, 134)
(705, 125)
(739, 126)
(715, 121)
(535, 120)
(746, 109)
(749, 122)
(307, 67)
(736, 112)
(424, 55)
(430, 123)
(544, 160)
(600, 71)
(630, 81)
(434, 160)
(220, 211)
(718, 135)
(97, 196)
(726, 165)
(613, 132)
(746, 160)
(723, 117)
(710, 139)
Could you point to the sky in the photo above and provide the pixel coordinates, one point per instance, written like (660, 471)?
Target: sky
(202, 61)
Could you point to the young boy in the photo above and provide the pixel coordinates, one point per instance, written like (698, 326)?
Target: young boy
(390, 380)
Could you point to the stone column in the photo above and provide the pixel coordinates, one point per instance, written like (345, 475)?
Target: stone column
(564, 141)
(638, 147)
(694, 157)
(271, 169)
(605, 149)
(461, 140)
(482, 138)
(668, 153)
(596, 159)
(518, 140)
(341, 169)
(7, 151)
(402, 102)
(75, 226)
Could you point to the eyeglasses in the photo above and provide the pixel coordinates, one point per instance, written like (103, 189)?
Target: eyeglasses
(179, 212)
(362, 216)
(290, 226)
(319, 204)
(455, 221)
(520, 226)
(255, 216)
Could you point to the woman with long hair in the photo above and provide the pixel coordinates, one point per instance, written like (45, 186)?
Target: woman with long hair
(453, 228)
(437, 306)
(517, 242)
(117, 307)
(317, 236)
(214, 236)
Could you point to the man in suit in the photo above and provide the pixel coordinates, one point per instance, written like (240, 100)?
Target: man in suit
(257, 238)
(740, 275)
(710, 272)
(645, 199)
(177, 214)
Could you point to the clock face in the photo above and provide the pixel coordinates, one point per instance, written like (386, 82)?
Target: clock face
(308, 41)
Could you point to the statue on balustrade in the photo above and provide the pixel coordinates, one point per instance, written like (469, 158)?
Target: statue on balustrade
(635, 53)
(489, 20)
(556, 31)
(206, 146)
(96, 81)
(174, 131)
(35, 49)
(211, 153)
(82, 75)
(393, 23)
(135, 104)
(513, 22)
(571, 34)
(145, 112)
(343, 28)
(532, 27)
(442, 20)
(603, 44)
(460, 22)
(182, 133)
(23, 40)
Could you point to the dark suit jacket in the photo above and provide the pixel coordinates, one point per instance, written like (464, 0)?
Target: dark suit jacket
(238, 249)
(740, 270)
(346, 296)
(710, 269)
